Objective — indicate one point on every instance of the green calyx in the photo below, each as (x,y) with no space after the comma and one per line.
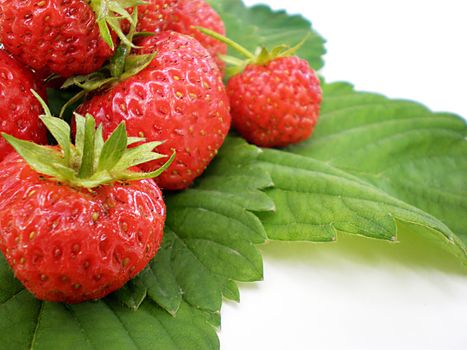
(262,55)
(109,14)
(123,64)
(90,162)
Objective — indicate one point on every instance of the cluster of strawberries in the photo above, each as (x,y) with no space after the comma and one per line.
(78,220)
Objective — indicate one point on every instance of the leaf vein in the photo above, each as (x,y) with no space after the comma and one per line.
(81,328)
(39,316)
(122,323)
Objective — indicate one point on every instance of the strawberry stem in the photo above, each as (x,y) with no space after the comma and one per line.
(118,61)
(71,101)
(262,55)
(239,48)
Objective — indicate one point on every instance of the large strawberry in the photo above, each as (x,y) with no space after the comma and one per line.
(179,97)
(59,36)
(19,109)
(275,96)
(75,222)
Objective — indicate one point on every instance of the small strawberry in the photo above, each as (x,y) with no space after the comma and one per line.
(19,109)
(75,222)
(275,97)
(179,97)
(65,37)
(189,13)
(277,103)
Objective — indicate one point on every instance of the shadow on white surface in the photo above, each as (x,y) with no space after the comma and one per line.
(357,293)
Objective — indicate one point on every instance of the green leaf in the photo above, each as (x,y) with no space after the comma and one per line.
(26,323)
(9,286)
(231,291)
(235,176)
(400,146)
(260,26)
(211,233)
(160,280)
(132,294)
(371,164)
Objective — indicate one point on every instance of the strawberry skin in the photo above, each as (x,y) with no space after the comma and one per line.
(189,13)
(179,98)
(19,109)
(276,104)
(153,16)
(70,245)
(54,36)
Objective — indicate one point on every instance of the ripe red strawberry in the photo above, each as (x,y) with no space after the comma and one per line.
(19,109)
(189,13)
(179,98)
(275,104)
(275,97)
(56,36)
(78,234)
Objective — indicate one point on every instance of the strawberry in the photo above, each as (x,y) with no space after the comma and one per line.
(179,97)
(275,97)
(75,223)
(189,13)
(19,110)
(59,36)
(277,103)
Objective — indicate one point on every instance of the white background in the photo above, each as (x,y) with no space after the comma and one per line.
(357,293)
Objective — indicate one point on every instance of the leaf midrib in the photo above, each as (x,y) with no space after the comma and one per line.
(121,323)
(82,330)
